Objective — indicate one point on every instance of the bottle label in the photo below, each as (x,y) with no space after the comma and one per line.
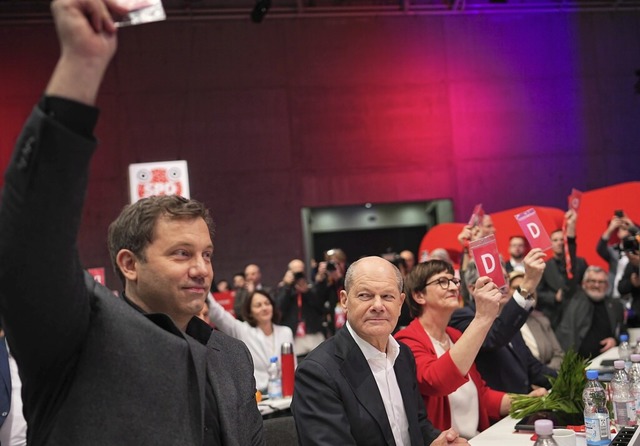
(597,430)
(625,412)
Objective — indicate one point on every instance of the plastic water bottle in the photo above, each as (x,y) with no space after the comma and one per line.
(274,388)
(624,406)
(596,415)
(544,431)
(624,349)
(634,379)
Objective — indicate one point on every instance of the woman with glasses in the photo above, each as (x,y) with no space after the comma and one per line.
(453,390)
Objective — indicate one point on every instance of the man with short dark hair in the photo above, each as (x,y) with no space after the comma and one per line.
(359,387)
(139,369)
(517,251)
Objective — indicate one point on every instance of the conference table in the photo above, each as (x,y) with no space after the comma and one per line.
(503,432)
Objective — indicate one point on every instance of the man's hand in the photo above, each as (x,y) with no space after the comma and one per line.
(534,265)
(487,298)
(539,391)
(448,437)
(87,36)
(606,344)
(571,217)
(614,224)
(464,237)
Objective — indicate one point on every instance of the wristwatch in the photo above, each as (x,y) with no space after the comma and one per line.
(525,293)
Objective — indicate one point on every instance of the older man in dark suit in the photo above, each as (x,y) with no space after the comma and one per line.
(359,387)
(139,369)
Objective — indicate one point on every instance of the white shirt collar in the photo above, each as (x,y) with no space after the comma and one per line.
(370,352)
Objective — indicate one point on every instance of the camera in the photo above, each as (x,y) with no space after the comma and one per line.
(630,243)
(331,266)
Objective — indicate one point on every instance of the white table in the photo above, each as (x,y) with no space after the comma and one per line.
(502,433)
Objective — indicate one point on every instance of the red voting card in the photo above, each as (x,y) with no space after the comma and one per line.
(575,199)
(487,258)
(476,216)
(533,229)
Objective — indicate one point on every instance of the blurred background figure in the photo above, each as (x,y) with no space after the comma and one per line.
(537,332)
(259,330)
(518,248)
(13,426)
(329,281)
(252,282)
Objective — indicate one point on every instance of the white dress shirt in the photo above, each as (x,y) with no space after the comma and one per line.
(14,429)
(381,365)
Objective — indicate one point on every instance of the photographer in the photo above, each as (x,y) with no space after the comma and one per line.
(329,281)
(302,311)
(630,281)
(610,248)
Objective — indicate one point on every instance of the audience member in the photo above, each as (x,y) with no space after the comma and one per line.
(517,251)
(237,282)
(13,426)
(537,332)
(630,286)
(453,391)
(139,369)
(469,234)
(440,254)
(252,282)
(359,387)
(409,260)
(203,314)
(259,331)
(592,321)
(504,361)
(302,312)
(611,248)
(557,284)
(222,286)
(329,281)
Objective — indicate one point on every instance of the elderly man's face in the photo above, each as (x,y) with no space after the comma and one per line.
(595,285)
(374,301)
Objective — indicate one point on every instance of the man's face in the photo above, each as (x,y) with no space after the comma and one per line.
(595,285)
(374,300)
(557,243)
(516,248)
(409,259)
(238,281)
(486,227)
(177,273)
(252,274)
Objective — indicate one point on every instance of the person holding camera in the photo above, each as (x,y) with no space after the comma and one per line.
(301,310)
(630,281)
(610,248)
(329,281)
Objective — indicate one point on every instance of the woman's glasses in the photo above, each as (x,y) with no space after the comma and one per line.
(444,282)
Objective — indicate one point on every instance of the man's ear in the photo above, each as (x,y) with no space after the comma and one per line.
(343,300)
(127,263)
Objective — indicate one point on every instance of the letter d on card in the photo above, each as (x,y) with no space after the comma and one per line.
(533,229)
(487,258)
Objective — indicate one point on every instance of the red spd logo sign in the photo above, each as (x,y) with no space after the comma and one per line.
(162,178)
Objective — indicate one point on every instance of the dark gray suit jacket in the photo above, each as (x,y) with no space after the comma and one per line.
(336,400)
(95,371)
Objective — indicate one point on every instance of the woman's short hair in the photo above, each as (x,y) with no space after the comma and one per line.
(417,279)
(246,308)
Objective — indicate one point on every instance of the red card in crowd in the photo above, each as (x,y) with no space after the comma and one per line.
(575,199)
(533,229)
(487,258)
(476,215)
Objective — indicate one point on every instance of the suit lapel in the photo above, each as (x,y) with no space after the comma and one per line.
(5,373)
(358,375)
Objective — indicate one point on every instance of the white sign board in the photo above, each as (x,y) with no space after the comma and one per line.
(159,178)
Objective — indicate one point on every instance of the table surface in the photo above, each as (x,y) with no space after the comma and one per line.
(503,431)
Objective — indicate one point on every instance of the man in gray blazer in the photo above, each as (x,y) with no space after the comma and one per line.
(359,387)
(96,369)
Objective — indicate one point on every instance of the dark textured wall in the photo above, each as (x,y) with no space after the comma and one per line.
(505,109)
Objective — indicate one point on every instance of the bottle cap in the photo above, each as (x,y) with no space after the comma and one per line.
(543,427)
(275,359)
(593,374)
(635,357)
(624,337)
(287,348)
(618,364)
